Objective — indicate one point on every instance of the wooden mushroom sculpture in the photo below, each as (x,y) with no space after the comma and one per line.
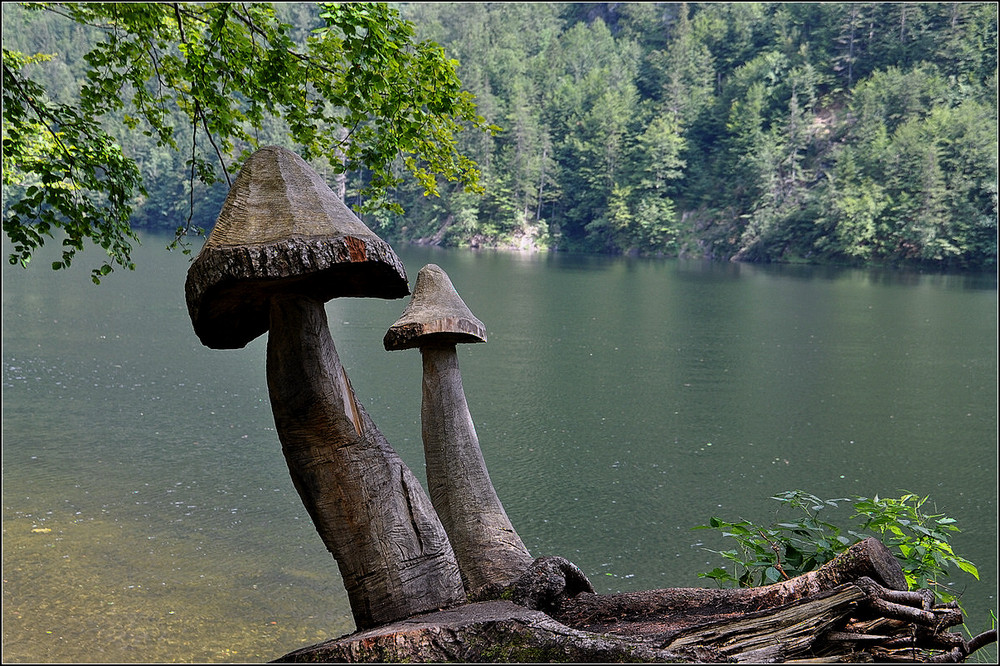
(489,551)
(282,246)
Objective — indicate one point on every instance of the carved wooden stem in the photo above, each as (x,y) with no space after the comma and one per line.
(369,509)
(488,549)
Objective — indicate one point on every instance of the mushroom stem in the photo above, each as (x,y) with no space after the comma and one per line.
(488,549)
(368,507)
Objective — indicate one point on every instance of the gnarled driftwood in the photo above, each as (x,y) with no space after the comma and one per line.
(837,613)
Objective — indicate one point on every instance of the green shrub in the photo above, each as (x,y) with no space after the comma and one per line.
(768,554)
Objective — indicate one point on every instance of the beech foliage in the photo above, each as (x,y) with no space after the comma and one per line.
(146,106)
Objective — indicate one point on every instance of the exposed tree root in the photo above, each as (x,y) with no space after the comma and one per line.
(850,610)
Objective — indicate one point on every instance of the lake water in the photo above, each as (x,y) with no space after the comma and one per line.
(148,514)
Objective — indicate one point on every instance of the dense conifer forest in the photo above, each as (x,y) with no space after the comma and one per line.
(792,132)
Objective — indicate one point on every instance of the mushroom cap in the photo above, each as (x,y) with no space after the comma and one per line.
(282,230)
(435,315)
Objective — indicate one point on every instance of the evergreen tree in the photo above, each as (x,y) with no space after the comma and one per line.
(760,131)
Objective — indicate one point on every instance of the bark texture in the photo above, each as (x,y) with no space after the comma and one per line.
(229,289)
(436,314)
(835,614)
(674,609)
(490,552)
(488,631)
(282,230)
(369,509)
(488,549)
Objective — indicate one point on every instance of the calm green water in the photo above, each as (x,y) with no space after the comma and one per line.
(148,514)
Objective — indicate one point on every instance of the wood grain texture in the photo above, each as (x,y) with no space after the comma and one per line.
(366,504)
(282,230)
(488,549)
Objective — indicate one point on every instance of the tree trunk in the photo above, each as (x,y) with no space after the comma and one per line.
(837,613)
(369,509)
(489,550)
(340,179)
(491,632)
(664,611)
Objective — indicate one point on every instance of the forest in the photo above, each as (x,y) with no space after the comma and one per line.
(856,133)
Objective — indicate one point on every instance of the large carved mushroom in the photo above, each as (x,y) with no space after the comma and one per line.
(283,245)
(489,550)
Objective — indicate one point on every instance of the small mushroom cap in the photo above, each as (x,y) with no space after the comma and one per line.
(435,315)
(282,230)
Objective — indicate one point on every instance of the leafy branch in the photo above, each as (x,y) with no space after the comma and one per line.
(73,176)
(805,541)
(227,67)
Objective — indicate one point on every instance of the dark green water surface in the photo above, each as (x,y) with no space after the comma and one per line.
(148,514)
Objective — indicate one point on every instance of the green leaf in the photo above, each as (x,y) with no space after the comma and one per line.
(967,567)
(225,67)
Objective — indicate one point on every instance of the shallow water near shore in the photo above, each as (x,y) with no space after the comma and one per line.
(149,517)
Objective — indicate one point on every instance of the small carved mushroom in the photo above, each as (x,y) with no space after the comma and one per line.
(284,245)
(488,549)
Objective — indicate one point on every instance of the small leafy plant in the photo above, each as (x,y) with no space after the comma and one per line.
(920,539)
(782,550)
